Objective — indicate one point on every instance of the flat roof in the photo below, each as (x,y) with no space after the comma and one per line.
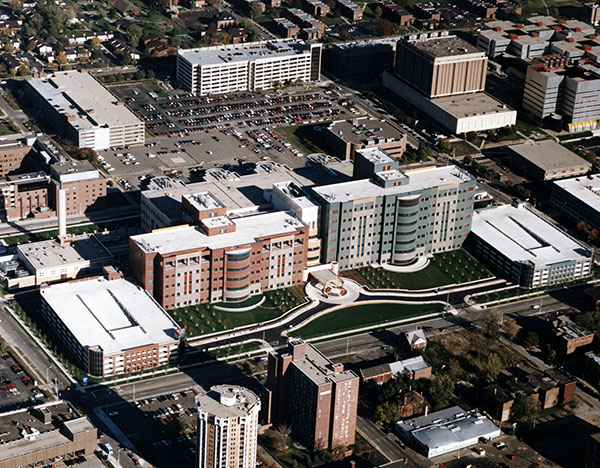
(388,41)
(202,201)
(227,401)
(448,427)
(247,51)
(585,188)
(318,368)
(51,253)
(80,95)
(248,230)
(365,130)
(116,315)
(447,46)
(419,179)
(523,235)
(549,155)
(471,105)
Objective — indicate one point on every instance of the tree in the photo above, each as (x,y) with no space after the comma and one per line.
(61,58)
(468,160)
(440,392)
(531,340)
(491,326)
(279,437)
(383,27)
(377,12)
(15,6)
(526,408)
(492,367)
(424,151)
(95,42)
(445,145)
(175,428)
(134,34)
(387,412)
(511,328)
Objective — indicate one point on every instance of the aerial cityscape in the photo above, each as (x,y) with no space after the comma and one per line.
(299,233)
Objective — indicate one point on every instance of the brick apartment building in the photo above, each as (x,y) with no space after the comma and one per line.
(221,258)
(567,337)
(316,397)
(11,157)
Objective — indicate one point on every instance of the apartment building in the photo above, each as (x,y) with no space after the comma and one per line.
(83,110)
(110,325)
(83,184)
(227,427)
(556,85)
(25,195)
(351,10)
(221,259)
(315,7)
(394,216)
(248,67)
(315,397)
(520,244)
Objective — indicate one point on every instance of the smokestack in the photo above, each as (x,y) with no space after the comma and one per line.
(62,211)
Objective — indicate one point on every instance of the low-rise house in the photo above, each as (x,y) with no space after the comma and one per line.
(415,339)
(414,368)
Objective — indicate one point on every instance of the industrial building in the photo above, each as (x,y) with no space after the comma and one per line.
(345,137)
(363,61)
(560,92)
(578,198)
(444,77)
(524,247)
(315,397)
(44,434)
(222,258)
(251,66)
(446,431)
(227,427)
(394,216)
(546,160)
(83,110)
(110,325)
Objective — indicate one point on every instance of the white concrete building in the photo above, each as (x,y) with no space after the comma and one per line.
(248,66)
(80,108)
(111,326)
(227,427)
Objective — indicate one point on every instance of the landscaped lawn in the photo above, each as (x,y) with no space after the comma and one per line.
(444,268)
(153,86)
(8,128)
(303,137)
(463,148)
(358,316)
(204,318)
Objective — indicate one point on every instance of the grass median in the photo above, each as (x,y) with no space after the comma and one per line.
(363,315)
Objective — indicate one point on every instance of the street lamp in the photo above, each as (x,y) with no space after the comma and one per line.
(47,378)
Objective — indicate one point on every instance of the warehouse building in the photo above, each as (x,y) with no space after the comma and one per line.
(578,198)
(444,77)
(446,431)
(546,160)
(527,249)
(251,66)
(393,216)
(110,325)
(83,110)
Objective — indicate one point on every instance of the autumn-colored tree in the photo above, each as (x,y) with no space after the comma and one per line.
(384,27)
(511,328)
(95,42)
(61,58)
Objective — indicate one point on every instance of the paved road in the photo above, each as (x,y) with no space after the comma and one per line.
(388,447)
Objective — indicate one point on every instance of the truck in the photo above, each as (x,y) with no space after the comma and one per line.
(108,448)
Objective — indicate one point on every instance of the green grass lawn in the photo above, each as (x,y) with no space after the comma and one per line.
(445,268)
(303,137)
(204,318)
(358,316)
(153,86)
(8,128)
(463,148)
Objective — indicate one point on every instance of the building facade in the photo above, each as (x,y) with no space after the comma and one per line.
(578,198)
(11,157)
(394,217)
(252,66)
(83,110)
(222,259)
(227,427)
(110,325)
(318,399)
(522,246)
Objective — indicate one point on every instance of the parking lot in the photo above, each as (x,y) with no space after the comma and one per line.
(154,424)
(17,389)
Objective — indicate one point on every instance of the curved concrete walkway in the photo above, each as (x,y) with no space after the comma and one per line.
(353,293)
(419,265)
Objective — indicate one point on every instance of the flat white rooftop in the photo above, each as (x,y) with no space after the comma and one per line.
(419,179)
(203,201)
(116,315)
(549,155)
(585,188)
(471,105)
(245,52)
(227,401)
(376,155)
(248,230)
(79,95)
(523,235)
